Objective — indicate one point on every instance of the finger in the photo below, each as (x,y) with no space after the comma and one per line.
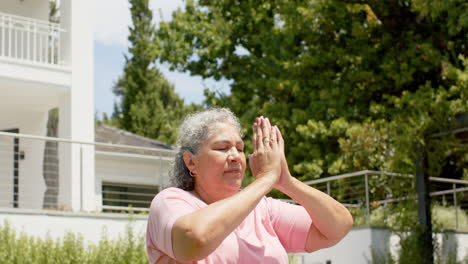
(272,133)
(279,138)
(273,137)
(265,132)
(259,132)
(268,124)
(254,139)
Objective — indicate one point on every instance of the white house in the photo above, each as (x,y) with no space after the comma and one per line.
(130,176)
(43,66)
(46,65)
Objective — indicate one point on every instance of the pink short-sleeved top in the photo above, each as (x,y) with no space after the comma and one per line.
(273,229)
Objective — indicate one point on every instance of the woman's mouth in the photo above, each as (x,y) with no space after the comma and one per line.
(233,171)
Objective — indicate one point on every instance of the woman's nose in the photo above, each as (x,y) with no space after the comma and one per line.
(233,155)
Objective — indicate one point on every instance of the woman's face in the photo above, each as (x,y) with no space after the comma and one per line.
(219,165)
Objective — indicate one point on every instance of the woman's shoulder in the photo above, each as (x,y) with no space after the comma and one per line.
(172,192)
(173,195)
(274,205)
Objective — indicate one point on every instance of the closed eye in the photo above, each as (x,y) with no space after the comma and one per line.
(226,146)
(222,149)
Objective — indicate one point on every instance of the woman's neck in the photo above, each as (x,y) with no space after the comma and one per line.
(210,197)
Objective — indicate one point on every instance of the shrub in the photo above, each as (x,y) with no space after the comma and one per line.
(15,248)
(443,217)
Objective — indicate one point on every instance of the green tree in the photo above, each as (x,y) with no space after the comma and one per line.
(147,103)
(54,14)
(353,84)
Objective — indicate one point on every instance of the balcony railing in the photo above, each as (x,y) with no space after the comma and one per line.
(30,40)
(370,194)
(32,169)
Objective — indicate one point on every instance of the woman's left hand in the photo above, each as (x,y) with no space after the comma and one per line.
(331,221)
(265,161)
(285,175)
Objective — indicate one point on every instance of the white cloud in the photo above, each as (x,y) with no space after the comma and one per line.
(113,18)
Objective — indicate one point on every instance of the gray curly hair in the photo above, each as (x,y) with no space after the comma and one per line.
(193,132)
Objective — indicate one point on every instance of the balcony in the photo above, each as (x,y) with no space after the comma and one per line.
(33,72)
(30,40)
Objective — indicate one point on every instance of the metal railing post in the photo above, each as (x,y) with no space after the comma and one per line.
(34,49)
(59,51)
(28,41)
(10,41)
(81,177)
(161,179)
(3,35)
(455,203)
(47,47)
(15,45)
(366,179)
(328,188)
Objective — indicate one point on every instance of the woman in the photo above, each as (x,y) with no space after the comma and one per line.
(209,219)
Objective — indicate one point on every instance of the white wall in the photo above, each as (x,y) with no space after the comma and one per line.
(462,245)
(77,181)
(354,248)
(71,90)
(358,245)
(23,81)
(38,9)
(31,181)
(6,171)
(56,224)
(131,170)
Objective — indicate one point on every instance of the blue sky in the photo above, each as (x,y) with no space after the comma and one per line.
(110,44)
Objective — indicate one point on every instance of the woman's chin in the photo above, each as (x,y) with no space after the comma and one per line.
(234,184)
(233,178)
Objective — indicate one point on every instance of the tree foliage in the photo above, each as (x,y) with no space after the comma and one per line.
(353,84)
(148,104)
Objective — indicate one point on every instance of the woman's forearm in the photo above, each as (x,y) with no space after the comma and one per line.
(196,235)
(331,221)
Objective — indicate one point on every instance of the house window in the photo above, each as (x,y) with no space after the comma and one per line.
(116,195)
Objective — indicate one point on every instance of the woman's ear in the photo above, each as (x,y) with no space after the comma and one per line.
(190,161)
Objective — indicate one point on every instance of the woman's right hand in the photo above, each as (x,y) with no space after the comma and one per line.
(266,158)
